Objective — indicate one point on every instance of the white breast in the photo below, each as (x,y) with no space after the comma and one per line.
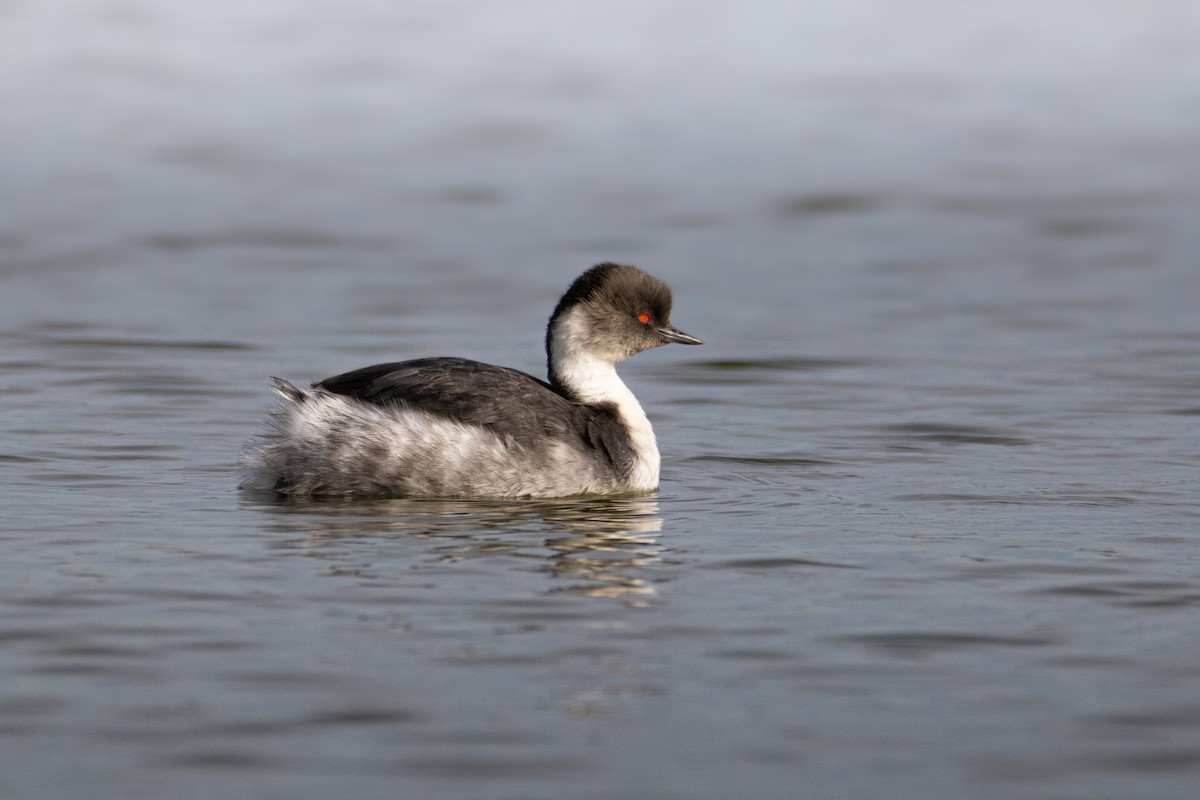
(594,380)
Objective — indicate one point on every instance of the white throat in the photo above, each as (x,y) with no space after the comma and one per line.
(594,380)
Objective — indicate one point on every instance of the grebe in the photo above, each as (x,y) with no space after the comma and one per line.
(450,427)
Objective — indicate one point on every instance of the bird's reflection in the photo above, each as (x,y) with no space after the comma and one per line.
(593,546)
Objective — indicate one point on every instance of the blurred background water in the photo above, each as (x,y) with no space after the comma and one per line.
(928,522)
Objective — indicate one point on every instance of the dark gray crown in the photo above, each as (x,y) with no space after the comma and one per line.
(618,287)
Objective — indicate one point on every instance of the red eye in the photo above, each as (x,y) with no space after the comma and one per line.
(644,317)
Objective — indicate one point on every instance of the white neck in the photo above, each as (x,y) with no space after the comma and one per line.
(593,380)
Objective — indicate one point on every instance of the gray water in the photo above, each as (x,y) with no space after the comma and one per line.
(928,524)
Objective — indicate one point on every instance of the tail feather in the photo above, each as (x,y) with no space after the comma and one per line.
(286,390)
(259,457)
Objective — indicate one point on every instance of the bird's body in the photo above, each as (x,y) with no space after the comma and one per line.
(450,427)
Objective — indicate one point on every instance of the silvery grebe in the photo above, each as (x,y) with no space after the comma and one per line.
(450,427)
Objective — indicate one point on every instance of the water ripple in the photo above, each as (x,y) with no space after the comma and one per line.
(780,562)
(921,643)
(1132,594)
(941,433)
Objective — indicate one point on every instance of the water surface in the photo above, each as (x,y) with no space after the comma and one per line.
(928,521)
